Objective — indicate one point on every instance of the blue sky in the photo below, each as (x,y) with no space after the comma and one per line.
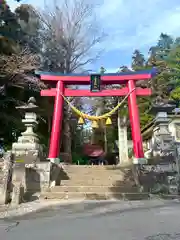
(130,24)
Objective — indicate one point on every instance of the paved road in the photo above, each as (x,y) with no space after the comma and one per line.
(100,220)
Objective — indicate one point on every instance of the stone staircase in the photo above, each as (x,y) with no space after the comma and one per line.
(95,182)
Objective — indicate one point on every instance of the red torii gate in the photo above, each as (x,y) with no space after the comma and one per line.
(128,78)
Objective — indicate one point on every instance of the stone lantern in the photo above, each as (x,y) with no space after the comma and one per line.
(28,142)
(162,143)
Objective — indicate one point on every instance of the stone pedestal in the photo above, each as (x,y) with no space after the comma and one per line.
(44,170)
(6,177)
(29,179)
(18,181)
(19,171)
(38,177)
(17,194)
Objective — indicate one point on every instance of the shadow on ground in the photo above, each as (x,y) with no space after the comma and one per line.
(62,176)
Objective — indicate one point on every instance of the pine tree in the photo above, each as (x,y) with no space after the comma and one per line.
(173,62)
(158,55)
(123,69)
(138,60)
(164,46)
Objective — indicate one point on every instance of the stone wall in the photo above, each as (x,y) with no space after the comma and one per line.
(19,182)
(37,176)
(6,178)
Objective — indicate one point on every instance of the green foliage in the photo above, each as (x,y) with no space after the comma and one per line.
(23,29)
(130,153)
(173,61)
(165,56)
(175,95)
(145,118)
(138,60)
(16,63)
(123,69)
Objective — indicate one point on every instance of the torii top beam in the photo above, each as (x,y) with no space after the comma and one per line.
(109,78)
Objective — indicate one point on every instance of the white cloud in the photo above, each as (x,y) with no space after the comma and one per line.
(138,23)
(13,4)
(132,23)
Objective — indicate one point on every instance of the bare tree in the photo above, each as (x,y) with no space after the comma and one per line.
(71,39)
(71,33)
(14,69)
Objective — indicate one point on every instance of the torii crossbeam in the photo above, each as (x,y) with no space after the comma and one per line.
(127,78)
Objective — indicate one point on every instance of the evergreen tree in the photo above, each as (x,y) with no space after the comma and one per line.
(158,58)
(164,46)
(162,57)
(123,69)
(138,60)
(173,62)
(16,62)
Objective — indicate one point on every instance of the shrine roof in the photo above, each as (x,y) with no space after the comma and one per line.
(107,78)
(152,71)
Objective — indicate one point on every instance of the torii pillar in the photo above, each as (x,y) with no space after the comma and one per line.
(56,123)
(135,125)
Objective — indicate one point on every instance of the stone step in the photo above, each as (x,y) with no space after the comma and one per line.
(74,175)
(96,183)
(91,183)
(169,196)
(91,169)
(93,175)
(95,196)
(97,189)
(98,167)
(93,179)
(90,174)
(97,173)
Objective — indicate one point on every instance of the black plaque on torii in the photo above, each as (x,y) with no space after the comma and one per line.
(95,83)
